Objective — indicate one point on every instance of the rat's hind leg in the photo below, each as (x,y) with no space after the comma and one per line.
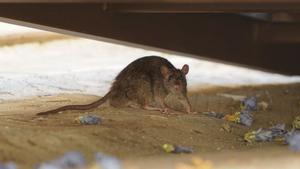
(146,106)
(142,105)
(159,95)
(163,106)
(144,99)
(134,105)
(141,93)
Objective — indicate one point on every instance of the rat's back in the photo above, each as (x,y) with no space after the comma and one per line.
(148,66)
(137,79)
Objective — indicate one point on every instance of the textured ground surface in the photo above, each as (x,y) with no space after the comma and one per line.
(137,134)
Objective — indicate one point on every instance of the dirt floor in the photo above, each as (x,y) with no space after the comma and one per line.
(136,135)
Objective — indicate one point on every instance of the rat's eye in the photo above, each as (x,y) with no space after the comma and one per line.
(170,78)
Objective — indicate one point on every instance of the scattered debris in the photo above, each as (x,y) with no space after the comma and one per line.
(217,115)
(71,160)
(246,118)
(263,105)
(296,123)
(249,103)
(169,148)
(232,96)
(233,117)
(226,127)
(75,160)
(243,117)
(276,133)
(107,162)
(293,140)
(250,137)
(88,119)
(9,165)
(273,133)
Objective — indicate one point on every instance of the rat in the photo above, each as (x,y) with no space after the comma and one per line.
(142,81)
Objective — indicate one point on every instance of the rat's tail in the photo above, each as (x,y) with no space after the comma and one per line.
(78,107)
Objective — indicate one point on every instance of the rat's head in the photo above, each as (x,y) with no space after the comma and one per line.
(174,80)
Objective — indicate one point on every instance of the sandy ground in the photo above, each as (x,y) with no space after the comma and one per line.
(136,136)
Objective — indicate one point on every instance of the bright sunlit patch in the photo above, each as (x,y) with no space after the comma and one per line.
(89,67)
(9,29)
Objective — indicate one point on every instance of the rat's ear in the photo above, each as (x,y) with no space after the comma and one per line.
(185,69)
(165,71)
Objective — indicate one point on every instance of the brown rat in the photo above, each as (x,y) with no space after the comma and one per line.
(143,80)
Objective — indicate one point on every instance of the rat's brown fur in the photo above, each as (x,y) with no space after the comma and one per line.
(143,80)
